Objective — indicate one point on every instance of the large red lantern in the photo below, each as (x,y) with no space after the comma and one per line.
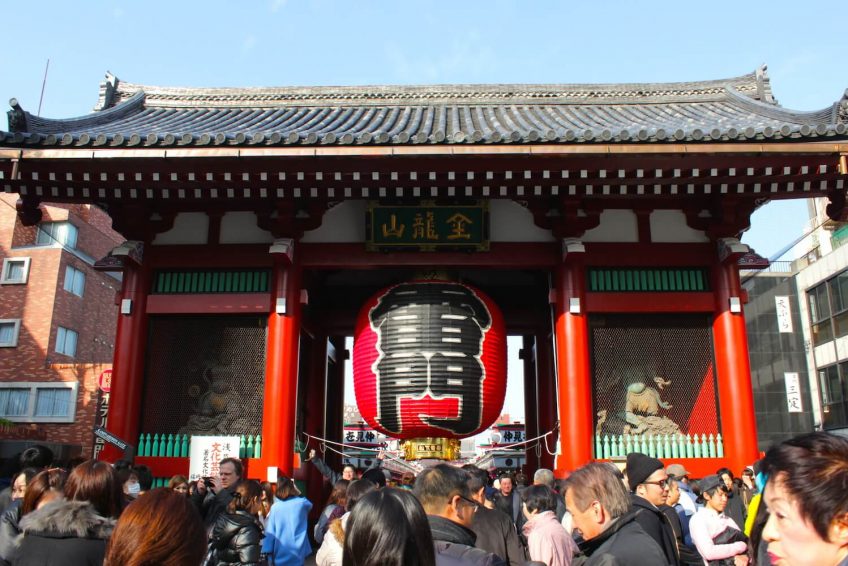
(429,360)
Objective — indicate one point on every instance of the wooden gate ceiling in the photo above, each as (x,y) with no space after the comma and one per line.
(563,150)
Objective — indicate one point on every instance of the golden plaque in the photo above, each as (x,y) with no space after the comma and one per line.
(434,448)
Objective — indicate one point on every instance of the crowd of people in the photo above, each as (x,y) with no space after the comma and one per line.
(790,508)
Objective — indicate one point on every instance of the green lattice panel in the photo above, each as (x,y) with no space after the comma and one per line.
(219,281)
(656,280)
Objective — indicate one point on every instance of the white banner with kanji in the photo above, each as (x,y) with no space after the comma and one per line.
(207,452)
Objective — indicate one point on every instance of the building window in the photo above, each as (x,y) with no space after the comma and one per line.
(66,341)
(829,309)
(832,383)
(9,330)
(15,271)
(63,233)
(38,401)
(74,281)
(14,402)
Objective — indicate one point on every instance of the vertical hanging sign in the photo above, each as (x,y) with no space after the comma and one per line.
(784,314)
(793,392)
(104,388)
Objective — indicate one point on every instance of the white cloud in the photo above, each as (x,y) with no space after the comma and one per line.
(277,5)
(118,13)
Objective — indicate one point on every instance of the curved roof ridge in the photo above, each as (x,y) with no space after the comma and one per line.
(132,105)
(753,85)
(777,112)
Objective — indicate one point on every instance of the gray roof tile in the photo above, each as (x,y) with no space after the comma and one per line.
(736,109)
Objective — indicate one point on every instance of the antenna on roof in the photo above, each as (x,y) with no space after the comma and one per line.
(43,85)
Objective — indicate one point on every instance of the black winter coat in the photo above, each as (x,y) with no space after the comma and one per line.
(454,545)
(9,532)
(237,539)
(655,523)
(212,505)
(64,533)
(496,534)
(623,543)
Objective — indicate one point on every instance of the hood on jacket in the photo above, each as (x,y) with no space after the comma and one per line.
(66,519)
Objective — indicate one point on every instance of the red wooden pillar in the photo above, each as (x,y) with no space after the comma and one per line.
(281,363)
(736,398)
(531,404)
(572,355)
(128,363)
(546,392)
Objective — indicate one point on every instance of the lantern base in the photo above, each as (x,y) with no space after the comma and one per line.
(431,448)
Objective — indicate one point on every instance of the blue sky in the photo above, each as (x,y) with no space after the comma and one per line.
(322,42)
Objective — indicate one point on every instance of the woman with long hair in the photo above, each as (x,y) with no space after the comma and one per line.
(161,527)
(20,482)
(286,542)
(388,527)
(44,487)
(74,530)
(179,484)
(807,501)
(266,501)
(330,553)
(717,537)
(237,535)
(334,509)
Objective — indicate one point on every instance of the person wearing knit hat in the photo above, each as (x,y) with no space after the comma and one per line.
(648,483)
(641,467)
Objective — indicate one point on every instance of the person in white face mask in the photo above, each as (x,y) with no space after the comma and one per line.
(131,487)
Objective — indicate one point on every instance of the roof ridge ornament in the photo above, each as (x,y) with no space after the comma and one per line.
(108,89)
(842,109)
(764,85)
(17,117)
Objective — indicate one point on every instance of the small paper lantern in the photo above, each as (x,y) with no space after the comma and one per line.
(429,360)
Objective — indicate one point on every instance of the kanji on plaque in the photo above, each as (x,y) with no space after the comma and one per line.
(207,452)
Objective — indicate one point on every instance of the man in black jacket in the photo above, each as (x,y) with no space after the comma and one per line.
(444,494)
(600,510)
(218,495)
(648,483)
(495,532)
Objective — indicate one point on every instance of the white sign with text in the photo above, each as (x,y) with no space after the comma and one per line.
(207,452)
(793,392)
(784,314)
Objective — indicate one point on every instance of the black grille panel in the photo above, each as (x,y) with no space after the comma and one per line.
(631,349)
(205,375)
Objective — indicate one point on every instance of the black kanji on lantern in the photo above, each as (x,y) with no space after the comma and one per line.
(430,337)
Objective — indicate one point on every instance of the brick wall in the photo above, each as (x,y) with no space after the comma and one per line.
(43,305)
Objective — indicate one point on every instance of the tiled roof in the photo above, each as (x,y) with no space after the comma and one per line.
(131,115)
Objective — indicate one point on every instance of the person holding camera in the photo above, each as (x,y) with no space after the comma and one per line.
(214,494)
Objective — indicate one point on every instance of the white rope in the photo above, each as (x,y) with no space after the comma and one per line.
(391,454)
(508,446)
(342,444)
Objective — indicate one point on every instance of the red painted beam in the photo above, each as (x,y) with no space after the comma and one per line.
(501,255)
(650,302)
(235,303)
